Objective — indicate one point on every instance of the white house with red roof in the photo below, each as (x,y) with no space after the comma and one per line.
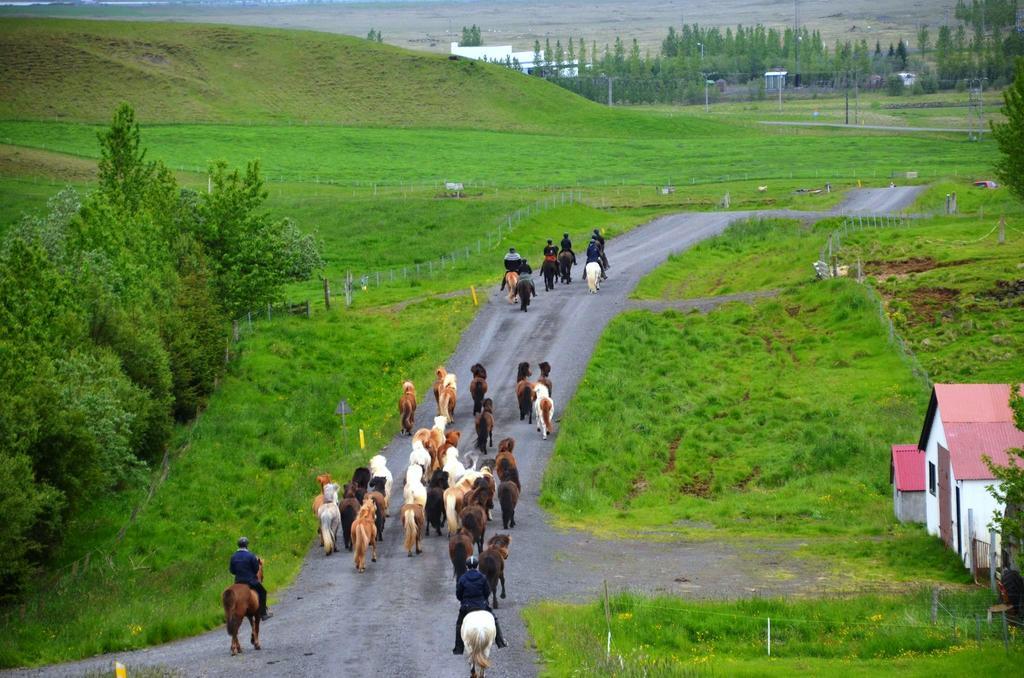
(963,424)
(906,473)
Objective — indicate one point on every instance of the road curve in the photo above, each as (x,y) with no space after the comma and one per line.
(397,619)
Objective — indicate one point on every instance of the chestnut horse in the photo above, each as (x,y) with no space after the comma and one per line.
(241,602)
(492,564)
(446,399)
(407,407)
(512,281)
(473,519)
(460,547)
(478,387)
(413,522)
(485,426)
(441,373)
(508,497)
(364,534)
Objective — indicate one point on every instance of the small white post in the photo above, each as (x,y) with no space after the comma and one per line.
(769,636)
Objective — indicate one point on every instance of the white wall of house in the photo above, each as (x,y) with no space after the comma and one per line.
(973,495)
(936,437)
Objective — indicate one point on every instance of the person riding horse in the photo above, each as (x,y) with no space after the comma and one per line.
(550,252)
(566,245)
(512,263)
(594,255)
(526,273)
(604,260)
(246,566)
(549,269)
(473,591)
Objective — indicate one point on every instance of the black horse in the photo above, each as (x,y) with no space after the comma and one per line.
(549,269)
(565,262)
(524,288)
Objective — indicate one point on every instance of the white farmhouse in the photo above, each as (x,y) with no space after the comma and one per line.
(964,423)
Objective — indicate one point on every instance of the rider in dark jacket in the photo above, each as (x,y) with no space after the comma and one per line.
(246,566)
(566,245)
(550,252)
(604,260)
(472,590)
(526,273)
(593,256)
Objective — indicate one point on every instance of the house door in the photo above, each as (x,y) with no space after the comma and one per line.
(959,532)
(945,512)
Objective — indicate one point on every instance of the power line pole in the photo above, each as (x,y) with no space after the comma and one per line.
(796,42)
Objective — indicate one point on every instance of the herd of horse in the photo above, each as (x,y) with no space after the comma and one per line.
(442,488)
(521,291)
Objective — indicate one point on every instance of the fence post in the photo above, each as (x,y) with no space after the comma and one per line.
(935,604)
(992,559)
(1006,639)
(308,314)
(608,623)
(234,330)
(327,294)
(769,636)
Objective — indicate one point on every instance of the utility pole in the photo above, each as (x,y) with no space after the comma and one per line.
(610,91)
(796,42)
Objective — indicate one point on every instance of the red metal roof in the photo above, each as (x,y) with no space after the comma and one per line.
(973,403)
(908,468)
(968,442)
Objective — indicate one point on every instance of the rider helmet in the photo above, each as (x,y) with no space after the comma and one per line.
(565,235)
(243,543)
(511,249)
(472,562)
(597,231)
(549,241)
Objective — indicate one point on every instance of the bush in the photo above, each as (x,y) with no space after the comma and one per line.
(894,85)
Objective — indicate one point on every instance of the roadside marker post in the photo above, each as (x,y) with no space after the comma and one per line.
(472,290)
(362,440)
(120,671)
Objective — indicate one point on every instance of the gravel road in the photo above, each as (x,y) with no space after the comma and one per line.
(397,619)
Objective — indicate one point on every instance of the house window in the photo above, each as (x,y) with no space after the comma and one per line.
(931,478)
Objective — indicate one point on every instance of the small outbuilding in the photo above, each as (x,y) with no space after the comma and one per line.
(775,80)
(906,474)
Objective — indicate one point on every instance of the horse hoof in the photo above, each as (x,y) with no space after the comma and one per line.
(409,554)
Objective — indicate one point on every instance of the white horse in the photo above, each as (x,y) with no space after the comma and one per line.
(593,270)
(331,493)
(414,492)
(419,456)
(330,521)
(478,633)
(379,469)
(543,409)
(452,466)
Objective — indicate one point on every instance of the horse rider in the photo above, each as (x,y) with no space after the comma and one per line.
(550,252)
(567,247)
(594,257)
(604,259)
(512,262)
(526,273)
(472,590)
(246,566)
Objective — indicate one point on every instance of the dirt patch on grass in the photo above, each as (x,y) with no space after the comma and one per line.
(698,486)
(1007,289)
(927,302)
(749,478)
(16,161)
(672,447)
(904,267)
(638,487)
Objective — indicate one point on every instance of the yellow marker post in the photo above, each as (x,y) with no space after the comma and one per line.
(120,671)
(472,290)
(859,185)
(362,440)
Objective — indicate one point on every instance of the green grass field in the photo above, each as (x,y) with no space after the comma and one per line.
(857,636)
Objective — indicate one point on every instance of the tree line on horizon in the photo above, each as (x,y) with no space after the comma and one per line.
(115,313)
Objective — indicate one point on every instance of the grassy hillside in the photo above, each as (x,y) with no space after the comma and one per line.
(80,70)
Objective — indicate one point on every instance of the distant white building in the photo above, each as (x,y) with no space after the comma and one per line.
(503,54)
(775,80)
(908,79)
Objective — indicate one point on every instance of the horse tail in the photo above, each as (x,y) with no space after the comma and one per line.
(481,433)
(233,621)
(460,558)
(409,517)
(450,513)
(360,540)
(326,533)
(478,646)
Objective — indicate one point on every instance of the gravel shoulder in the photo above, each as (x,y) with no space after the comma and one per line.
(397,619)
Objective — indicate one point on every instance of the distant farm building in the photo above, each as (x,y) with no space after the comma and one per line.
(503,54)
(963,424)
(906,473)
(908,79)
(775,80)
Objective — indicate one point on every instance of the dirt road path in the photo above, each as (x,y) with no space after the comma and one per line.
(397,619)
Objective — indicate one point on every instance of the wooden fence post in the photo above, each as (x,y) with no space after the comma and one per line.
(327,294)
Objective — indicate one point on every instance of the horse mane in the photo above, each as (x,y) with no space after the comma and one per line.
(368,511)
(452,437)
(488,405)
(448,381)
(409,388)
(545,369)
(524,371)
(478,370)
(441,373)
(506,445)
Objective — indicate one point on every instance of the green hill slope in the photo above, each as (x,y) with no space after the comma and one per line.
(80,70)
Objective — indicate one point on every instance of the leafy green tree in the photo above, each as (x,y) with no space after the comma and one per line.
(923,39)
(1009,136)
(1011,488)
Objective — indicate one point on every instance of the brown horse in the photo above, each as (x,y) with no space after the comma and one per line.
(460,547)
(545,377)
(512,281)
(508,497)
(565,262)
(446,398)
(524,396)
(407,407)
(381,511)
(485,426)
(492,564)
(505,464)
(478,387)
(349,509)
(473,519)
(451,439)
(241,602)
(412,522)
(364,534)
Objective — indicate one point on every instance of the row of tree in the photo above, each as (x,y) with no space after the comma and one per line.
(689,56)
(115,310)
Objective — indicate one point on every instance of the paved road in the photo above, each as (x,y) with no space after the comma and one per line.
(397,619)
(884,128)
